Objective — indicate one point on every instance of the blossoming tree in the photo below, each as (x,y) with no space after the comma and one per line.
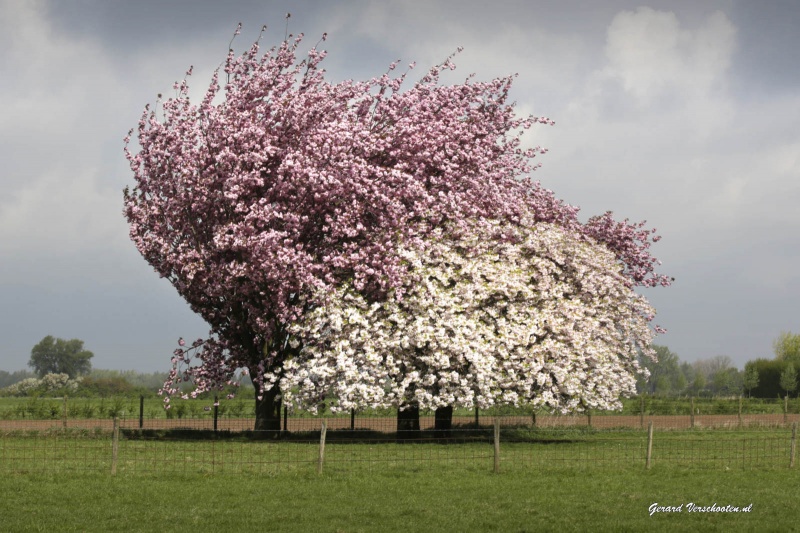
(281,191)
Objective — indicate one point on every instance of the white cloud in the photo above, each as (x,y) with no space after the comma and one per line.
(651,54)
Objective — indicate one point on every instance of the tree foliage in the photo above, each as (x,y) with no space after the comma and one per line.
(281,189)
(667,376)
(60,356)
(727,382)
(788,379)
(787,347)
(750,379)
(769,375)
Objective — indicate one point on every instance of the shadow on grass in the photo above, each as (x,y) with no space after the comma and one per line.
(456,435)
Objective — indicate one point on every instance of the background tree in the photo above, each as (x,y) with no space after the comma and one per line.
(769,377)
(789,379)
(750,378)
(280,188)
(60,356)
(666,373)
(727,382)
(787,348)
(717,375)
(689,373)
(698,385)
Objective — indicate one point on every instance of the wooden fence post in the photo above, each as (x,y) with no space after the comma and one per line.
(477,422)
(649,445)
(66,411)
(496,445)
(641,411)
(793,447)
(785,408)
(589,417)
(114,446)
(285,418)
(352,419)
(691,416)
(322,433)
(141,411)
(740,411)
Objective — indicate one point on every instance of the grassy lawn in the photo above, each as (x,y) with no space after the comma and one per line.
(570,481)
(416,498)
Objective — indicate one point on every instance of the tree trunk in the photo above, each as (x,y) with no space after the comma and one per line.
(268,411)
(443,421)
(408,423)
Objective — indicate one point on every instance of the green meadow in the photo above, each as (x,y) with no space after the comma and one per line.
(413,498)
(548,481)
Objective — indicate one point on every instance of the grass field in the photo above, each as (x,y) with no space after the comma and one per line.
(416,498)
(567,481)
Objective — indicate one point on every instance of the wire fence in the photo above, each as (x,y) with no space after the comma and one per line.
(237,415)
(503,444)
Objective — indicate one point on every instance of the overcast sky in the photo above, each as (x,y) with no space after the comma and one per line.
(683,113)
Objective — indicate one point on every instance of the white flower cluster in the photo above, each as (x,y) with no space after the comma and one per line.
(530,315)
(48,383)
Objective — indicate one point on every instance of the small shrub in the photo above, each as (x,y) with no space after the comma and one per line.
(55,410)
(177,410)
(236,409)
(195,410)
(87,410)
(117,407)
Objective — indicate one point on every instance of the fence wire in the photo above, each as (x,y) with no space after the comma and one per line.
(237,415)
(130,450)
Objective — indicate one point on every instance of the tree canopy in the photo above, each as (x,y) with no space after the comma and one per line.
(787,348)
(788,379)
(60,356)
(281,191)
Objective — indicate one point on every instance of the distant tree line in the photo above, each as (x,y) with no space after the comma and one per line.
(63,367)
(9,378)
(98,384)
(717,376)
